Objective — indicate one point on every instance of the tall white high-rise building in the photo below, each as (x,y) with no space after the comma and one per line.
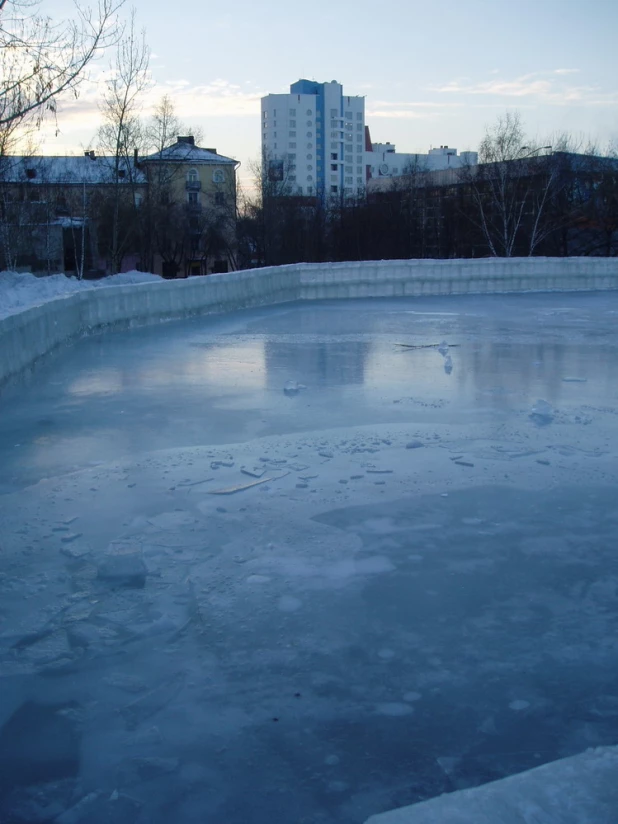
(313,140)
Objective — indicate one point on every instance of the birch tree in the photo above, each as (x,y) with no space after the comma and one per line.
(510,188)
(121,132)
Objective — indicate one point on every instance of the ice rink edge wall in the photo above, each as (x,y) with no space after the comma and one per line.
(32,333)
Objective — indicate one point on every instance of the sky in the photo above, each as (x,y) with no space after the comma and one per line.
(431,73)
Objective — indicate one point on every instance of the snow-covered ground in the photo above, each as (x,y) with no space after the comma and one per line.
(275,567)
(21,290)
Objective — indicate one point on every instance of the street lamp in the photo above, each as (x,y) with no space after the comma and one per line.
(532,151)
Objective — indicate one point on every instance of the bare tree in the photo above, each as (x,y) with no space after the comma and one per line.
(510,188)
(40,59)
(164,126)
(121,133)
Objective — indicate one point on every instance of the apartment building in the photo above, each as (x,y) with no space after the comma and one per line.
(313,141)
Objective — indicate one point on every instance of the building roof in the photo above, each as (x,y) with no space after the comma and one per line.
(86,168)
(185,151)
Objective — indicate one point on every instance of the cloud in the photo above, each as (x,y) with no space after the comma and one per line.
(547,87)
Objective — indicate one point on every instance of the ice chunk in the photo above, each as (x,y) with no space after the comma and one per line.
(443,348)
(292,388)
(541,413)
(448,364)
(124,566)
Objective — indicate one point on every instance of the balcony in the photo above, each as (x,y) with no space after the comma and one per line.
(193,185)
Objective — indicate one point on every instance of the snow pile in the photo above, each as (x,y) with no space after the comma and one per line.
(21,290)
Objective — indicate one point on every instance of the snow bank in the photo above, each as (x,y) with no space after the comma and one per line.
(20,290)
(66,309)
(578,790)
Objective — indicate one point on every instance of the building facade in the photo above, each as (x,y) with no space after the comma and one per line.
(192,198)
(172,212)
(313,141)
(385,161)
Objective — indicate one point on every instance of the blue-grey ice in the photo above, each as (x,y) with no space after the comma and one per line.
(221,604)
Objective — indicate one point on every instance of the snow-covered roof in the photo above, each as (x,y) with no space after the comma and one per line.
(184,151)
(67,170)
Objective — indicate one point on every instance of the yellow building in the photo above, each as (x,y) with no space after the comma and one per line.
(192,200)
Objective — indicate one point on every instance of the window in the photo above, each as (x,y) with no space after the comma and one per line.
(30,174)
(292,178)
(275,133)
(359,170)
(310,123)
(348,170)
(334,189)
(265,115)
(310,145)
(334,134)
(359,180)
(309,134)
(219,199)
(218,176)
(334,124)
(309,177)
(309,190)
(348,180)
(193,198)
(192,176)
(121,173)
(334,156)
(348,115)
(292,155)
(292,134)
(361,190)
(395,171)
(333,167)
(334,145)
(334,113)
(292,112)
(292,145)
(359,127)
(348,137)
(292,124)
(309,167)
(309,112)
(309,156)
(359,115)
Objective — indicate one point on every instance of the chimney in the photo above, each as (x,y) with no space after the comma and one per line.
(135,158)
(188,139)
(90,153)
(214,151)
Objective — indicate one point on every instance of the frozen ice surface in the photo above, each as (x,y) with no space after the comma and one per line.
(373,624)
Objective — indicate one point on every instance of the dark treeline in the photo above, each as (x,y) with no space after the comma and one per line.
(518,201)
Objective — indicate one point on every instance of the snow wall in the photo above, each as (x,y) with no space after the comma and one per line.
(577,790)
(28,335)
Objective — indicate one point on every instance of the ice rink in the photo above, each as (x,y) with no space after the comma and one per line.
(275,567)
